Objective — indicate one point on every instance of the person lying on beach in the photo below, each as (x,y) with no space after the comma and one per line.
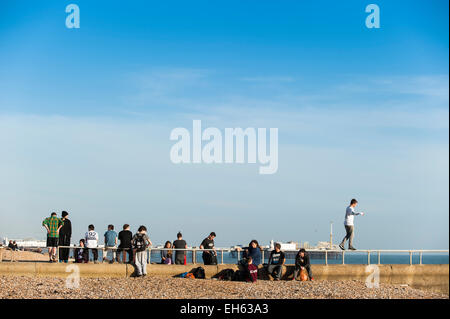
(302,262)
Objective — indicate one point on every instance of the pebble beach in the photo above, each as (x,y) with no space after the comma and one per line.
(19,287)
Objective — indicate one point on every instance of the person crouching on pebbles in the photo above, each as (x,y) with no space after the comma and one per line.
(140,243)
(302,262)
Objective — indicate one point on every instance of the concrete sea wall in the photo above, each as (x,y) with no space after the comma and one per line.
(427,277)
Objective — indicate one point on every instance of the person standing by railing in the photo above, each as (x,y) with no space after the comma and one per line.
(180,255)
(53,225)
(110,244)
(349,226)
(91,237)
(125,248)
(209,256)
(64,237)
(140,244)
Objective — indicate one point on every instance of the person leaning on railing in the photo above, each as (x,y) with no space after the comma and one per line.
(180,255)
(209,256)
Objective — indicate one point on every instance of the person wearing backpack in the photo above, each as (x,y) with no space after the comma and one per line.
(140,243)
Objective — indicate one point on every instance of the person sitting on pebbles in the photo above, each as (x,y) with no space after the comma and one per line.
(302,262)
(276,262)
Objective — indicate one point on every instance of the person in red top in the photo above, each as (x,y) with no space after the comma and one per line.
(252,269)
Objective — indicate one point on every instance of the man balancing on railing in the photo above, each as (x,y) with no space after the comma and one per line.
(348,223)
(209,256)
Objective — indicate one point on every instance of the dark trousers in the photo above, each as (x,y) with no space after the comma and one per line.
(94,253)
(348,236)
(308,269)
(179,259)
(275,271)
(209,258)
(64,240)
(122,252)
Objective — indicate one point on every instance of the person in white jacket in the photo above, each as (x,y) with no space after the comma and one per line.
(349,226)
(91,238)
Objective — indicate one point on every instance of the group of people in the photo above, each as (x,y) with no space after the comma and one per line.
(59,232)
(274,267)
(12,245)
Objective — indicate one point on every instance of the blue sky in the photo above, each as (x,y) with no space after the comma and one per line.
(86,114)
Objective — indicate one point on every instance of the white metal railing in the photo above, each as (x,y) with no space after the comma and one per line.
(325,252)
(220,251)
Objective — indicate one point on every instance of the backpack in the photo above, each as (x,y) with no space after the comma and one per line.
(199,273)
(227,275)
(190,275)
(239,275)
(139,243)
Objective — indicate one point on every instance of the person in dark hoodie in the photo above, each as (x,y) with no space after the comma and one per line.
(81,254)
(64,237)
(302,262)
(254,251)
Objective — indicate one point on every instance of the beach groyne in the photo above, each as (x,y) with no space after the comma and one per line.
(426,277)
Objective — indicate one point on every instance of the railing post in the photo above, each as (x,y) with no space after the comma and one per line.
(420,257)
(410,257)
(149,255)
(379,260)
(368,257)
(326,257)
(221,257)
(343,257)
(194,256)
(262,256)
(238,256)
